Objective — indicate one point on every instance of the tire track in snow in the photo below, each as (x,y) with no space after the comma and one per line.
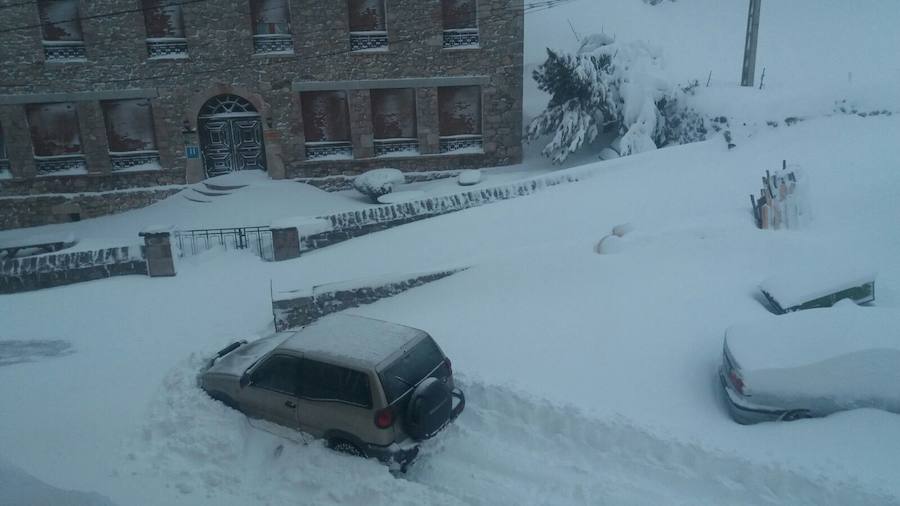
(504,449)
(507,449)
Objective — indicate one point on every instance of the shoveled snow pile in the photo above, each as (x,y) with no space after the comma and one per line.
(18,488)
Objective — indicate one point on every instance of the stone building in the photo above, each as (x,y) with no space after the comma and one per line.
(107,105)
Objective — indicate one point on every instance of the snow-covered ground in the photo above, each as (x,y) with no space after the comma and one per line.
(590,378)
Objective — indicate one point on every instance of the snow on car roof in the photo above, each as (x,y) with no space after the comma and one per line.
(812,336)
(817,279)
(352,337)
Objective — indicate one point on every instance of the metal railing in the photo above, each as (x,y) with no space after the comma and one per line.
(256,239)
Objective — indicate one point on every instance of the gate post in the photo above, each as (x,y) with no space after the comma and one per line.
(285,243)
(158,251)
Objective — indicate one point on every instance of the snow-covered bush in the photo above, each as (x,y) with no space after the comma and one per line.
(611,87)
(378,182)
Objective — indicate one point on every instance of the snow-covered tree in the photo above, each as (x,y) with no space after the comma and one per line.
(607,86)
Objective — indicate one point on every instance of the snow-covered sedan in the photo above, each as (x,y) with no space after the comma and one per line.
(812,363)
(368,387)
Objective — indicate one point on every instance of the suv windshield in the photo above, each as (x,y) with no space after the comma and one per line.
(411,368)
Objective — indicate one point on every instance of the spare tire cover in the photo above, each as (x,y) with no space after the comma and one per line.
(428,410)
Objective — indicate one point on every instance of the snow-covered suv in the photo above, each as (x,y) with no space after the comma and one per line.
(366,386)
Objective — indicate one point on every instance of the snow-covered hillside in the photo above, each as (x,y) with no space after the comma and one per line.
(590,378)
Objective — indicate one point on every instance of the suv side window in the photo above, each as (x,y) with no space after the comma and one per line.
(321,381)
(280,373)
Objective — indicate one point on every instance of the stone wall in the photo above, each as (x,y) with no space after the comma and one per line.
(46,271)
(342,182)
(30,211)
(294,309)
(350,224)
(221,61)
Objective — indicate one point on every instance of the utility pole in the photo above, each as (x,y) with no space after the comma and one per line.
(747,76)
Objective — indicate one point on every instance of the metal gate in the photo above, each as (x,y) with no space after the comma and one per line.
(231,136)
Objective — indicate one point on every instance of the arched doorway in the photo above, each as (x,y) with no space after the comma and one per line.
(231,136)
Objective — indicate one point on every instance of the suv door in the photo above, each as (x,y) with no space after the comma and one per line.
(335,398)
(272,392)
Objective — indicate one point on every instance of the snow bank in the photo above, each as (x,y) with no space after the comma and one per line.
(18,488)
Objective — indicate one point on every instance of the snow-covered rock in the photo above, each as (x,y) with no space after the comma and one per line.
(469,177)
(378,182)
(608,154)
(396,197)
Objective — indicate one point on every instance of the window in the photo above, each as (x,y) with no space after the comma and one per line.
(394,121)
(55,138)
(368,25)
(4,160)
(165,29)
(326,124)
(460,23)
(459,110)
(61,27)
(410,369)
(271,26)
(129,129)
(329,382)
(279,373)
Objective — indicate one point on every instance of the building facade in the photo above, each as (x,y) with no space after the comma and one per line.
(107,105)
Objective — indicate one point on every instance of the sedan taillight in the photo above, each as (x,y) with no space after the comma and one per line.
(736,381)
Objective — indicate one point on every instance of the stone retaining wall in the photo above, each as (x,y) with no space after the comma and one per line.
(17,212)
(350,224)
(296,309)
(344,182)
(46,271)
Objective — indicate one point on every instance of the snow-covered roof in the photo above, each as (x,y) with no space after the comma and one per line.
(817,279)
(354,338)
(812,336)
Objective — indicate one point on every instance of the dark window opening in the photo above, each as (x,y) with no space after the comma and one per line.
(271,26)
(326,124)
(129,125)
(55,138)
(394,113)
(460,110)
(368,25)
(459,14)
(165,29)
(61,29)
(279,373)
(4,160)
(328,382)
(131,134)
(163,19)
(367,16)
(460,23)
(394,122)
(54,129)
(60,20)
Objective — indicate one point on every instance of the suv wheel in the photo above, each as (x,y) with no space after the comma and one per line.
(343,446)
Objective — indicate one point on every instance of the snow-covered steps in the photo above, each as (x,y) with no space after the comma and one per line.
(224,188)
(210,193)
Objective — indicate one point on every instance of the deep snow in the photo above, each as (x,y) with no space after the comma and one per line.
(590,378)
(630,340)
